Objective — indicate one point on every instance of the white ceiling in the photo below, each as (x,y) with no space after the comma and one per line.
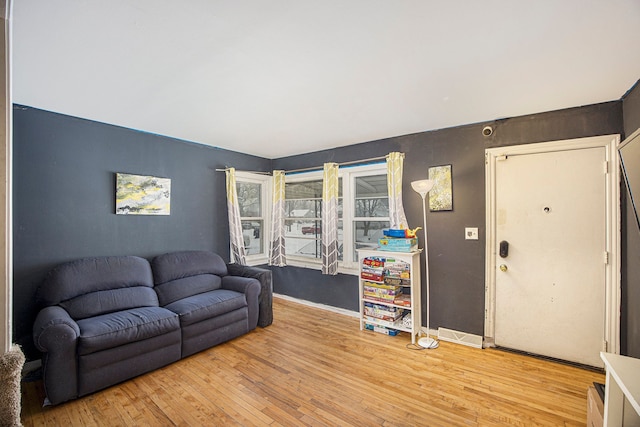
(281,77)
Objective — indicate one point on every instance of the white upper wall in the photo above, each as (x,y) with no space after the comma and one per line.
(281,77)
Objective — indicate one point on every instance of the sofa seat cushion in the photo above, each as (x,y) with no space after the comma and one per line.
(207,305)
(123,327)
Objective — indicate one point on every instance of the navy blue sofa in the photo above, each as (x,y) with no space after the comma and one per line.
(108,319)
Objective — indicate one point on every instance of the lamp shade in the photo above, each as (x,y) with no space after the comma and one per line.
(423,186)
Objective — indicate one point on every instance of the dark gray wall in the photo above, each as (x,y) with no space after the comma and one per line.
(457,270)
(64,201)
(631,109)
(630,307)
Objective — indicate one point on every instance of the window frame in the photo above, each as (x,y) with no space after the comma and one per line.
(348,174)
(266,182)
(301,261)
(374,170)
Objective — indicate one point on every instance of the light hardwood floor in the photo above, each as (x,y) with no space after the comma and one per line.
(314,367)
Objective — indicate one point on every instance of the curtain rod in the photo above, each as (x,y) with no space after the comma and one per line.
(353,162)
(314,168)
(257,172)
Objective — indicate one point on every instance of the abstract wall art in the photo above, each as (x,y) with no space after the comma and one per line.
(142,195)
(441,196)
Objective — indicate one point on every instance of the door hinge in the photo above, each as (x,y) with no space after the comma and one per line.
(606,257)
(606,167)
(605,346)
(502,158)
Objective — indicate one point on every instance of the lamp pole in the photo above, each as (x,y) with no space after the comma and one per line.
(423,187)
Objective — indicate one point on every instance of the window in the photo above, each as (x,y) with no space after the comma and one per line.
(253,194)
(371,211)
(303,217)
(363,210)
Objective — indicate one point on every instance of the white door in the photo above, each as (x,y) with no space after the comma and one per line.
(550,288)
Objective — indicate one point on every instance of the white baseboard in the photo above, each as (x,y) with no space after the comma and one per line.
(432,333)
(320,306)
(459,337)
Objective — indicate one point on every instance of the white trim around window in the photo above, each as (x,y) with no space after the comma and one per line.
(348,265)
(265,182)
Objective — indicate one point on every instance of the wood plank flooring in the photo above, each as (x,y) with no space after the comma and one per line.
(312,367)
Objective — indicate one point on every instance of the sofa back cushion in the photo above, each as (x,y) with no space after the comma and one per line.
(92,286)
(178,289)
(103,302)
(180,275)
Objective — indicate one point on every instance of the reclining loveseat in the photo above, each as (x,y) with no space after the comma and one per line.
(108,319)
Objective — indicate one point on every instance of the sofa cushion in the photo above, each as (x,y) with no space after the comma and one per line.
(175,290)
(102,302)
(178,265)
(123,327)
(208,305)
(84,276)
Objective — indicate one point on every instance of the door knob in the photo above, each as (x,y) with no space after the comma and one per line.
(503,267)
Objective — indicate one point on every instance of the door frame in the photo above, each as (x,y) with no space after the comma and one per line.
(6,219)
(612,193)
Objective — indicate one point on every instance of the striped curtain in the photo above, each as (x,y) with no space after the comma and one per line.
(397,217)
(235,225)
(330,219)
(277,254)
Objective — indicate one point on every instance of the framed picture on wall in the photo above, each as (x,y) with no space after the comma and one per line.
(441,195)
(142,195)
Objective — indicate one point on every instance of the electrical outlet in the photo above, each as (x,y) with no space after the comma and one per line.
(471,233)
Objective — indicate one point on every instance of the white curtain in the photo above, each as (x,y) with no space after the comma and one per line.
(330,219)
(397,217)
(277,254)
(235,225)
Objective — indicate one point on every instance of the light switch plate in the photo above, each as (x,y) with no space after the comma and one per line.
(471,233)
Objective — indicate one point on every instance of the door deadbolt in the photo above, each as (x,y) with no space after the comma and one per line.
(503,267)
(504,249)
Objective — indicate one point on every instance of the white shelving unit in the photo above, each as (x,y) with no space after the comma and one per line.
(622,390)
(411,284)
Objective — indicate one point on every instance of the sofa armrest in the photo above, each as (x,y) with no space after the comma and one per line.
(56,334)
(250,287)
(264,276)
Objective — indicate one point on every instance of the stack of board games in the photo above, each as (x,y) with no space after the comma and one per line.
(403,300)
(381,329)
(381,291)
(373,269)
(385,278)
(396,271)
(382,312)
(398,241)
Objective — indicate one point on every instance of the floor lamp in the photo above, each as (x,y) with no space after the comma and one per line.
(423,187)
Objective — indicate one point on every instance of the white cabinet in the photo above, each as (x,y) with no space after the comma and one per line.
(622,390)
(389,287)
